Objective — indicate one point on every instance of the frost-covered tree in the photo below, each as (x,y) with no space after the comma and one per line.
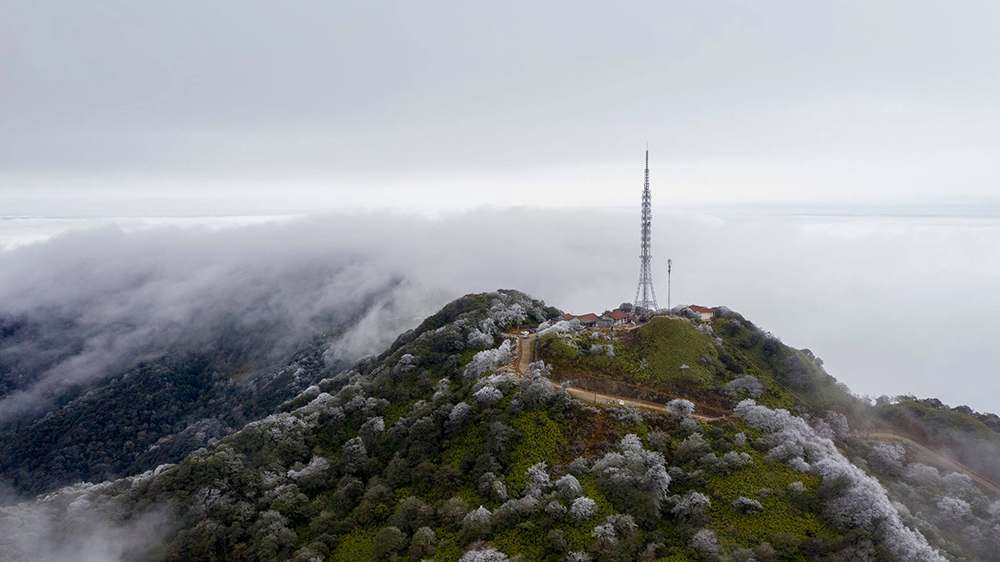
(555,509)
(954,510)
(487,360)
(355,453)
(514,511)
(477,524)
(628,415)
(568,487)
(747,505)
(493,487)
(424,543)
(922,475)
(583,508)
(457,417)
(488,395)
(479,339)
(887,459)
(634,479)
(507,315)
(857,500)
(692,508)
(694,446)
(680,408)
(744,385)
(536,390)
(704,542)
(487,554)
(538,481)
(372,430)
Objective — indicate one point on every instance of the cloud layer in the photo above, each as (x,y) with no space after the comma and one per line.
(891,303)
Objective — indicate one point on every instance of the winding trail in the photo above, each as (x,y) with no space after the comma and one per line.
(526,354)
(935,457)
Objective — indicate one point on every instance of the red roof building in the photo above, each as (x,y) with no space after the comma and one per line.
(706,314)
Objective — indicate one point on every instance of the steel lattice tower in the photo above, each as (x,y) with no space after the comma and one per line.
(645,288)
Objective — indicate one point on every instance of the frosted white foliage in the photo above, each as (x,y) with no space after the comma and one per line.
(797,487)
(863,503)
(689,426)
(960,484)
(838,422)
(921,474)
(887,458)
(628,415)
(405,364)
(488,360)
(317,465)
(458,416)
(747,505)
(488,395)
(693,505)
(744,385)
(632,466)
(578,556)
(488,554)
(604,531)
(536,390)
(505,315)
(740,440)
(504,382)
(355,452)
(598,349)
(680,408)
(490,484)
(954,509)
(478,338)
(568,487)
(734,460)
(373,429)
(555,509)
(441,389)
(514,511)
(704,542)
(583,508)
(538,481)
(562,327)
(477,521)
(693,446)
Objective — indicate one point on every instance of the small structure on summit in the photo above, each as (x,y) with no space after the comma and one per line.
(705,314)
(611,319)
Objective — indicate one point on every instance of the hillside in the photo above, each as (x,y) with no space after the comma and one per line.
(441,448)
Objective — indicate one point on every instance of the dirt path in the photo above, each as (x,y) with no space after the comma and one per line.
(526,352)
(935,457)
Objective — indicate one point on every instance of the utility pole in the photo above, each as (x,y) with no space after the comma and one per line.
(670,265)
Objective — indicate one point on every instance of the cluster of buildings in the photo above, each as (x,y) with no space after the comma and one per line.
(618,317)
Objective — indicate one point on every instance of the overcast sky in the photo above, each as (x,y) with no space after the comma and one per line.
(250,107)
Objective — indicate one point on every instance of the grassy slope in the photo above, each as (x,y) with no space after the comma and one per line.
(665,343)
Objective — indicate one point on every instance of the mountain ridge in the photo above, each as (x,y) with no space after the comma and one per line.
(388,460)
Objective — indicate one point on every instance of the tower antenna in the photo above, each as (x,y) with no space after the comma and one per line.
(645,288)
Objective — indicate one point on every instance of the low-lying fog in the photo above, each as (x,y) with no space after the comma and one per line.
(895,302)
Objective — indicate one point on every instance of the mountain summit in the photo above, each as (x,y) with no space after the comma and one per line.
(496,431)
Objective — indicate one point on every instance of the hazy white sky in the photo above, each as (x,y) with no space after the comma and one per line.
(251,107)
